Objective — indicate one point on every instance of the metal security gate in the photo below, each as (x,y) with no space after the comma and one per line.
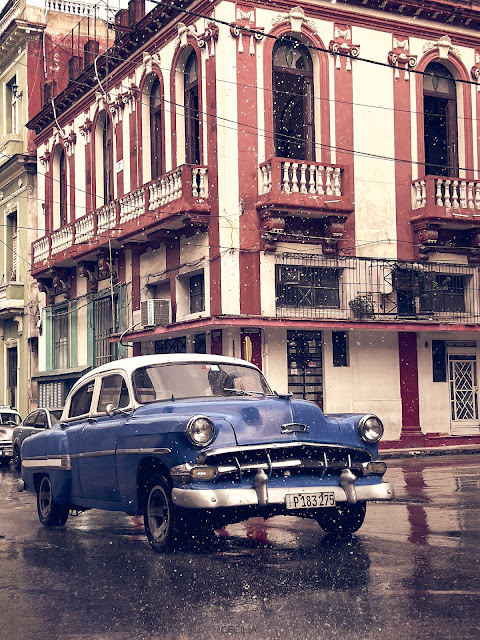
(463,393)
(305,368)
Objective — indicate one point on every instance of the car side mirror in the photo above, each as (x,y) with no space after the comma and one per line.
(110,409)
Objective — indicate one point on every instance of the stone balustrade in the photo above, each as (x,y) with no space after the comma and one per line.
(302,177)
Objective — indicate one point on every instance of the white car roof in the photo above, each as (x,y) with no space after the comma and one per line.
(128,365)
(9,410)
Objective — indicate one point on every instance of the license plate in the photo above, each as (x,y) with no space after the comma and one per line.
(310,500)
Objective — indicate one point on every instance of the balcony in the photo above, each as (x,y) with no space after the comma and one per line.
(298,187)
(445,216)
(375,290)
(174,202)
(11,299)
(300,198)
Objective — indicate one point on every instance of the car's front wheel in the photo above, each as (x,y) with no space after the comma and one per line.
(50,513)
(168,526)
(345,519)
(159,514)
(17,458)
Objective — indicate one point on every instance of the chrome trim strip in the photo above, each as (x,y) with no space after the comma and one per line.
(157,450)
(48,462)
(93,454)
(112,452)
(276,445)
(213,499)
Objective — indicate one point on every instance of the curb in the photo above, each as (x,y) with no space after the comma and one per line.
(428,451)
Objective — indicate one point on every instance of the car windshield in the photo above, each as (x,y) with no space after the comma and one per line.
(9,418)
(197,379)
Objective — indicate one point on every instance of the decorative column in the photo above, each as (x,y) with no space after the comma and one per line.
(402,62)
(408,364)
(247,108)
(344,52)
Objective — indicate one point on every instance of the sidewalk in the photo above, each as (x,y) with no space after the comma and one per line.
(411,452)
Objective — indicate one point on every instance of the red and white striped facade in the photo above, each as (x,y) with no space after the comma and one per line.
(265,230)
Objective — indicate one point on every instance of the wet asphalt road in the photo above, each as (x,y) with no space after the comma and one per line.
(412,572)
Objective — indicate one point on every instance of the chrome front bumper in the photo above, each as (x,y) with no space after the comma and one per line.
(218,498)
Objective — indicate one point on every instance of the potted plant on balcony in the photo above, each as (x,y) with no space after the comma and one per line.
(362,306)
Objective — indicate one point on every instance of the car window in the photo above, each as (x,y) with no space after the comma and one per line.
(30,419)
(113,391)
(81,400)
(55,416)
(41,421)
(10,418)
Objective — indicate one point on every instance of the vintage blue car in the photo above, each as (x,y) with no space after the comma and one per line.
(194,442)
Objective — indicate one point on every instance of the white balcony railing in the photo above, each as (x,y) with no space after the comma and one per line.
(166,189)
(85,228)
(132,205)
(456,193)
(188,183)
(41,250)
(106,217)
(62,239)
(303,177)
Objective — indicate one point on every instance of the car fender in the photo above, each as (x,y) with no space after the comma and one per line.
(48,453)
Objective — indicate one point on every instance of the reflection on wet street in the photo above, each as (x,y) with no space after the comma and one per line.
(412,571)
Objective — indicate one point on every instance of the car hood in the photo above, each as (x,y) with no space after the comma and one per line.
(259,420)
(6,433)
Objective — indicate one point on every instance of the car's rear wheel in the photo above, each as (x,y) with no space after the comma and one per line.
(17,458)
(168,526)
(50,513)
(345,519)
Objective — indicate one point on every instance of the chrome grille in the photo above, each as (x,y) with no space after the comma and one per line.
(286,456)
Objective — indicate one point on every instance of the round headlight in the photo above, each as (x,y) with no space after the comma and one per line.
(200,431)
(370,428)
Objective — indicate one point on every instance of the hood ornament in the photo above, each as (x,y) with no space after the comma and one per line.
(294,427)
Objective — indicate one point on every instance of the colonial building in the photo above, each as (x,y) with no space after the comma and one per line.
(32,53)
(295,185)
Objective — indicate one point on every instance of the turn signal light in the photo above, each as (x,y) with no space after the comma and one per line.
(203,473)
(377,468)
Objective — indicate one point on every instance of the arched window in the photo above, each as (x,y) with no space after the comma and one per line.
(293,100)
(62,188)
(192,125)
(440,121)
(156,129)
(104,140)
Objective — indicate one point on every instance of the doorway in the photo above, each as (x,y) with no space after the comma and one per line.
(462,378)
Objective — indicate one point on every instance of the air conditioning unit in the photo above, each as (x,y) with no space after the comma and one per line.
(155,312)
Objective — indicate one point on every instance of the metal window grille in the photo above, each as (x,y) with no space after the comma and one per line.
(346,288)
(197,293)
(51,394)
(60,338)
(105,324)
(304,286)
(172,345)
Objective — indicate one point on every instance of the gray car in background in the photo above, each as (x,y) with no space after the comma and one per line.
(36,422)
(8,419)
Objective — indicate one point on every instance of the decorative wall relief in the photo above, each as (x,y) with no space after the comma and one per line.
(342,48)
(401,59)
